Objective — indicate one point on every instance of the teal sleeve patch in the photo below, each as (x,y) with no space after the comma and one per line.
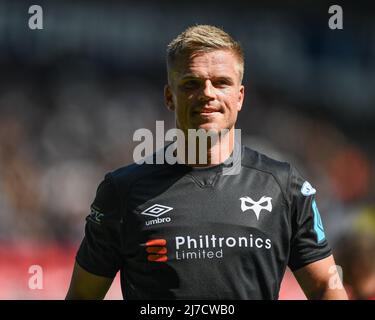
(318,225)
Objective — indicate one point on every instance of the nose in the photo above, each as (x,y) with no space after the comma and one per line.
(208,92)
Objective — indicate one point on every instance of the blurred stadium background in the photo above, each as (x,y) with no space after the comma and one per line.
(72,95)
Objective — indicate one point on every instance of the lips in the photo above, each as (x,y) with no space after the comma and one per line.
(206,111)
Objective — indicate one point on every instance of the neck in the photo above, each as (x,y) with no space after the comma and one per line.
(208,153)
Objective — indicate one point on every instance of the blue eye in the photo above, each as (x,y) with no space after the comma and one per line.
(221,83)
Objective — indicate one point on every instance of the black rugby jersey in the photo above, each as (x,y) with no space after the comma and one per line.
(177,232)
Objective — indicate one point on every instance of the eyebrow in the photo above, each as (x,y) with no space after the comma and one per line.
(190,75)
(194,76)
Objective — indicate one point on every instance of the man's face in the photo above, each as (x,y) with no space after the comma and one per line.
(205,91)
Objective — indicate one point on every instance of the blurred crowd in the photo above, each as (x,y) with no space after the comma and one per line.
(56,144)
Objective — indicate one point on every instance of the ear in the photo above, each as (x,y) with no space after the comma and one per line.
(168,97)
(241,96)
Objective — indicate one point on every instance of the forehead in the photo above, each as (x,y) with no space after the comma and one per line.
(207,64)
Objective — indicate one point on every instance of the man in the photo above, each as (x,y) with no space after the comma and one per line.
(183,231)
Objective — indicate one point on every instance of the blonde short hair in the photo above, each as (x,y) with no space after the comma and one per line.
(203,38)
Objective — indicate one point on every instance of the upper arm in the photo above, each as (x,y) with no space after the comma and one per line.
(99,256)
(321,280)
(85,285)
(310,256)
(308,242)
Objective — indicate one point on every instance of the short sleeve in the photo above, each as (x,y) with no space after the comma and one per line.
(100,250)
(308,242)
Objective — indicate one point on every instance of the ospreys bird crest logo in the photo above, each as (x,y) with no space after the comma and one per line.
(264,203)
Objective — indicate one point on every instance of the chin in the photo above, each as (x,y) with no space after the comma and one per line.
(210,126)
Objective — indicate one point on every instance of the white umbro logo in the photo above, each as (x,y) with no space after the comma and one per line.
(156,210)
(256,206)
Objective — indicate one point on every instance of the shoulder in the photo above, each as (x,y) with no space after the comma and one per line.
(114,188)
(122,178)
(280,170)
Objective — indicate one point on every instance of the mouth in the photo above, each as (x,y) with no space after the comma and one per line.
(206,111)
